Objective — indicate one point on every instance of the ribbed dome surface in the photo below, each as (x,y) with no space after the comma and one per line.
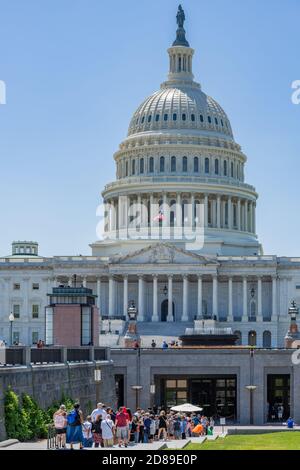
(180,107)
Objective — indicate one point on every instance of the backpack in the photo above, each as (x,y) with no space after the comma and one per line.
(177,426)
(59,422)
(72,417)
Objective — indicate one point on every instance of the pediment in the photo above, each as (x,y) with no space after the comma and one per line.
(163,253)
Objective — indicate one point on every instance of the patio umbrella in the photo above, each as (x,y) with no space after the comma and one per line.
(186,408)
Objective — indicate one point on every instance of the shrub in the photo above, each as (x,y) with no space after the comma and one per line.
(16,418)
(36,417)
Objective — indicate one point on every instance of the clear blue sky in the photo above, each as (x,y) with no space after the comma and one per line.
(76,70)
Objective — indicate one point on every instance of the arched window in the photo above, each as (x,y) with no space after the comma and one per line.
(196,164)
(143,119)
(165,117)
(173,164)
(216,121)
(207,165)
(216,166)
(239,337)
(222,123)
(126,168)
(157,118)
(193,117)
(174,117)
(184,164)
(267,339)
(172,212)
(141,165)
(231,169)
(252,338)
(149,118)
(225,168)
(209,119)
(162,164)
(234,215)
(133,167)
(184,117)
(151,165)
(201,118)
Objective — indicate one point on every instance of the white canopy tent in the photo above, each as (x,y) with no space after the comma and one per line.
(186,408)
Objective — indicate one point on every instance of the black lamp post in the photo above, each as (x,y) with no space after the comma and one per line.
(11,320)
(293,311)
(132,311)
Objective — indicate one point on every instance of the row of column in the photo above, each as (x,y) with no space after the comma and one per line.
(185,317)
(218,212)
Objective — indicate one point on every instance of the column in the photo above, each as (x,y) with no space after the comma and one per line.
(230,309)
(111,296)
(120,212)
(155,310)
(139,210)
(199,297)
(99,294)
(165,221)
(218,211)
(84,281)
(106,217)
(185,299)
(192,211)
(170,299)
(178,211)
(251,217)
(205,210)
(274,298)
(239,214)
(229,213)
(151,212)
(254,219)
(125,295)
(215,297)
(245,300)
(246,215)
(259,299)
(141,299)
(112,215)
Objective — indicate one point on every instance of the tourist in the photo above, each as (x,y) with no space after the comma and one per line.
(211,425)
(135,429)
(152,429)
(122,421)
(280,411)
(74,427)
(290,423)
(162,429)
(147,425)
(97,431)
(170,427)
(107,427)
(87,432)
(183,425)
(60,424)
(165,345)
(98,411)
(153,344)
(188,430)
(141,428)
(177,428)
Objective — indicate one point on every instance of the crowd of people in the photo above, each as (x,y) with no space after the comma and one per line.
(107,428)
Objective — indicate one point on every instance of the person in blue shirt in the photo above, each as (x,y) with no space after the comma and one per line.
(147,425)
(290,423)
(165,345)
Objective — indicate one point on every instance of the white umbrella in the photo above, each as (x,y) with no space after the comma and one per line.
(186,408)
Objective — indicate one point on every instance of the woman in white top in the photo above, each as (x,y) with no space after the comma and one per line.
(107,427)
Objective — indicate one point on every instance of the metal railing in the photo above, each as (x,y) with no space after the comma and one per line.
(14,356)
(53,441)
(45,355)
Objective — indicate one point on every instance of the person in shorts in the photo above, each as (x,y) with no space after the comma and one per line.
(60,424)
(121,423)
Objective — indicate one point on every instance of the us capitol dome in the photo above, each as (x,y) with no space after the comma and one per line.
(180,160)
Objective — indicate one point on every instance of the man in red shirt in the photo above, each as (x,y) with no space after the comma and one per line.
(121,423)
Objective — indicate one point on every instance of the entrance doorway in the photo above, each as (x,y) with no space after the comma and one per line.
(278,396)
(164,310)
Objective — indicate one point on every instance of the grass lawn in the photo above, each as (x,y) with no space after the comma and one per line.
(271,441)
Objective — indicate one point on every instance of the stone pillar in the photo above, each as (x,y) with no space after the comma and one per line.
(185,299)
(239,214)
(111,296)
(120,212)
(178,211)
(170,299)
(155,310)
(245,300)
(125,296)
(259,299)
(215,297)
(246,215)
(141,299)
(99,294)
(205,210)
(218,211)
(151,213)
(274,298)
(199,303)
(230,310)
(254,219)
(229,213)
(250,217)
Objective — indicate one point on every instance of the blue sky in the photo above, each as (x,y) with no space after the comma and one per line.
(75,71)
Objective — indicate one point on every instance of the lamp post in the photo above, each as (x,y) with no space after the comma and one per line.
(11,320)
(137,389)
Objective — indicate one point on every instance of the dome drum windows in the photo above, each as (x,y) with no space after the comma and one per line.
(209,119)
(183,117)
(133,167)
(193,117)
(157,118)
(151,165)
(184,164)
(165,117)
(201,118)
(216,166)
(141,166)
(225,168)
(174,117)
(162,164)
(173,164)
(196,165)
(149,118)
(206,165)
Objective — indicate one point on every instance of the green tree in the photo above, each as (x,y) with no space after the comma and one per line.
(16,418)
(36,417)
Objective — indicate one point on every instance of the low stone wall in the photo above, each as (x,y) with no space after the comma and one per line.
(46,383)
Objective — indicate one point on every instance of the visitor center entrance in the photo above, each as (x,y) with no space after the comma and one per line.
(217,395)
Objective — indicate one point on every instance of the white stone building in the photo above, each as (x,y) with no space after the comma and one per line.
(179,232)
